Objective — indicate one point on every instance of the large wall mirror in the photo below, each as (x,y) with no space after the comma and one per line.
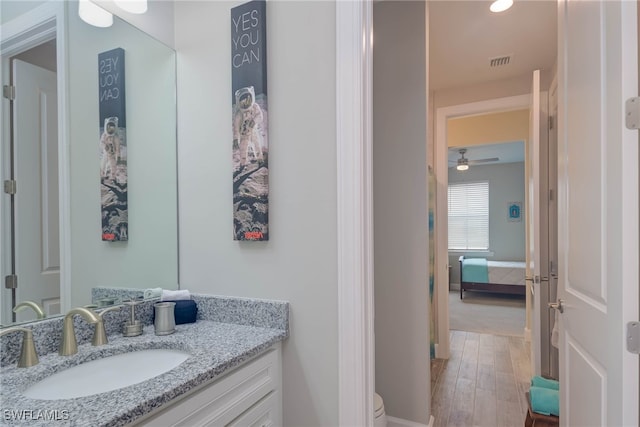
(52,151)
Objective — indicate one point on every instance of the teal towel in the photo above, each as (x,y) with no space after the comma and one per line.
(545,401)
(539,381)
(475,270)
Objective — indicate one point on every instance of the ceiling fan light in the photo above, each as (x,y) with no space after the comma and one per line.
(132,6)
(500,5)
(462,167)
(94,15)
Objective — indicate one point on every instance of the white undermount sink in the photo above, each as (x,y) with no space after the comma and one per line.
(106,374)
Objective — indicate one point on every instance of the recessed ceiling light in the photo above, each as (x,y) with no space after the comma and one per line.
(500,5)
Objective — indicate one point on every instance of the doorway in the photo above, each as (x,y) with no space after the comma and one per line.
(548,357)
(485,183)
(487,233)
(514,103)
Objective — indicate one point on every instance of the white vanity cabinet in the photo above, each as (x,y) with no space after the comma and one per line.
(249,395)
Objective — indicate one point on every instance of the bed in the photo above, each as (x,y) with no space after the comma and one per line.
(478,274)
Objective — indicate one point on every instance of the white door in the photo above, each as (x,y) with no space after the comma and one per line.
(598,212)
(37,252)
(537,224)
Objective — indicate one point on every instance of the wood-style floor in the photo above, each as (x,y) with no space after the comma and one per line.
(483,383)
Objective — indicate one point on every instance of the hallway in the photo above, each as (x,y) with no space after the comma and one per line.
(483,383)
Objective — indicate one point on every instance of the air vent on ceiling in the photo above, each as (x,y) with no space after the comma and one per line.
(499,61)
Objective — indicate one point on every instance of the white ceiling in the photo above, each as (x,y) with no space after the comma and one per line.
(463,36)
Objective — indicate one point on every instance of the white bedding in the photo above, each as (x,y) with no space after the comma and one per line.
(506,272)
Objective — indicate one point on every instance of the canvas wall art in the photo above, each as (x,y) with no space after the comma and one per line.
(250,121)
(113,146)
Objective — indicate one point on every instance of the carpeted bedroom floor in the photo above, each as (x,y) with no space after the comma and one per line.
(487,313)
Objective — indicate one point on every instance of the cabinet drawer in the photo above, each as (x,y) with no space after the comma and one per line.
(224,399)
(265,413)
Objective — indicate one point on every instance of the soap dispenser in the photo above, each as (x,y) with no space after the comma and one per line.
(132,327)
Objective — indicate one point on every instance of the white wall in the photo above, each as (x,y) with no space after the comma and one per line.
(400,209)
(149,258)
(299,262)
(506,184)
(10,9)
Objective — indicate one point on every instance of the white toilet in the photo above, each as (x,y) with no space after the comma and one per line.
(380,418)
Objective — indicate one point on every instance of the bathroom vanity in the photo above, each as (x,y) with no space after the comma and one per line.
(249,395)
(232,375)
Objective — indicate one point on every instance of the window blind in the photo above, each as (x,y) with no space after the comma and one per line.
(469,216)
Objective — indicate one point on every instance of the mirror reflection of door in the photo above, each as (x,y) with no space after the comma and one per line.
(35,250)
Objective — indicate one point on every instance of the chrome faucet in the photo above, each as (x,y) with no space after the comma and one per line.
(28,355)
(100,334)
(30,304)
(69,344)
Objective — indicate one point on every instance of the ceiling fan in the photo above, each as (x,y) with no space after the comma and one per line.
(463,163)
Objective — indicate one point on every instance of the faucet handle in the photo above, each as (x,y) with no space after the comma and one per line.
(100,333)
(28,354)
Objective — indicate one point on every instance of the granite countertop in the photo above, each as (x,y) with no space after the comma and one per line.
(215,348)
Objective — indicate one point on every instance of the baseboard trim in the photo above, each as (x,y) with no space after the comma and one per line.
(399,422)
(440,351)
(527,334)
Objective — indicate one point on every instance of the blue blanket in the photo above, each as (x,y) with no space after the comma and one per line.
(475,270)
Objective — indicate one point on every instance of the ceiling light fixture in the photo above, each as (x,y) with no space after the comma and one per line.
(463,162)
(94,15)
(500,5)
(132,6)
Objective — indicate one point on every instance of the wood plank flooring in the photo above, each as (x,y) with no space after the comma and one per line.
(483,383)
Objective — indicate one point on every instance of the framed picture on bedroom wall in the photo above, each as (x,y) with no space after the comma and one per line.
(515,211)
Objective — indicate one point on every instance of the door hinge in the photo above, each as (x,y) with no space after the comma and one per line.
(551,195)
(552,270)
(10,186)
(632,113)
(550,122)
(11,281)
(633,337)
(9,92)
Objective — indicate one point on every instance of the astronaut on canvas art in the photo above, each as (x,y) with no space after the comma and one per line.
(247,121)
(109,148)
